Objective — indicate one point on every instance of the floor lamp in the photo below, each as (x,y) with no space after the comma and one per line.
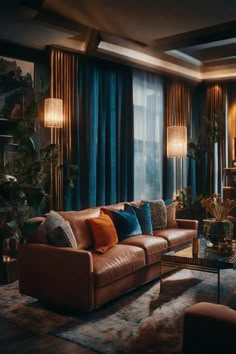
(53,113)
(53,118)
(177,147)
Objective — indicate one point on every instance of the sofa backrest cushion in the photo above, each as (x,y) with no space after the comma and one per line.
(143,214)
(171,215)
(125,221)
(80,226)
(117,206)
(104,233)
(158,213)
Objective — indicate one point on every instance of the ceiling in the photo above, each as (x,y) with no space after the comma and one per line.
(196,39)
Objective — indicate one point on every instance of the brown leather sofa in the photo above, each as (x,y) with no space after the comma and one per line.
(209,329)
(82,279)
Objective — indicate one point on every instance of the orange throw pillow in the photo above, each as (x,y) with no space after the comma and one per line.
(104,233)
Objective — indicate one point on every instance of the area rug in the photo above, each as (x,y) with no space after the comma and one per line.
(143,321)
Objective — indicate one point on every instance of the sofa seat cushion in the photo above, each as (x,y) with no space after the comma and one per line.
(153,246)
(177,236)
(80,226)
(117,262)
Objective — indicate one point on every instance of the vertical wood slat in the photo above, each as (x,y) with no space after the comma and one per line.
(63,76)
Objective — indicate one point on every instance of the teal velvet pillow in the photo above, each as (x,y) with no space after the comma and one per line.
(143,214)
(126,223)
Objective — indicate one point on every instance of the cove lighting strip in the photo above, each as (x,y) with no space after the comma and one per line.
(149,60)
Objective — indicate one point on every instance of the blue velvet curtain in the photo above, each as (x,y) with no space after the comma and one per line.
(104,130)
(197,161)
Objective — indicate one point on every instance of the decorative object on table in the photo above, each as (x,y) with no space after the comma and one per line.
(219,208)
(218,229)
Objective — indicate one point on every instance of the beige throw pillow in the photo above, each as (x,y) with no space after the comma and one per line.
(171,215)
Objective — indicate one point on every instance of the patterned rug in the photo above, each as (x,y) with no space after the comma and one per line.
(143,321)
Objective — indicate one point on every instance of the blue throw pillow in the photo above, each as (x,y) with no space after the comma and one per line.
(143,214)
(126,223)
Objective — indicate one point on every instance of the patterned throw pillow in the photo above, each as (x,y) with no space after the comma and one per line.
(104,233)
(59,231)
(62,236)
(158,214)
(171,215)
(143,214)
(53,220)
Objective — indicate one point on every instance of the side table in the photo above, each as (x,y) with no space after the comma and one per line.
(8,270)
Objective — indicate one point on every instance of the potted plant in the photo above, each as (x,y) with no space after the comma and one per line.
(219,228)
(25,192)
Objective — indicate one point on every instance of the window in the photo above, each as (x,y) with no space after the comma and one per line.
(148,135)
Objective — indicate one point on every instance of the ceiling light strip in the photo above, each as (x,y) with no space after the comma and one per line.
(177,54)
(148,59)
(219,74)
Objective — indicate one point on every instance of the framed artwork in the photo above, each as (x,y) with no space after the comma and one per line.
(17,99)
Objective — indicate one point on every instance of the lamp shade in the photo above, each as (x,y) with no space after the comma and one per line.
(176,141)
(53,113)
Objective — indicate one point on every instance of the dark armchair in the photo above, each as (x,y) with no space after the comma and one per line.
(209,329)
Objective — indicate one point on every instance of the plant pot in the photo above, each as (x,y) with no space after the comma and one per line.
(217,231)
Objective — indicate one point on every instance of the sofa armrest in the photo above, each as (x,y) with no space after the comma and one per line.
(56,275)
(187,224)
(209,328)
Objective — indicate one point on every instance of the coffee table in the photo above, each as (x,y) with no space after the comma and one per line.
(207,259)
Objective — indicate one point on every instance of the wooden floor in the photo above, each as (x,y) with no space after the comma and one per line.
(15,340)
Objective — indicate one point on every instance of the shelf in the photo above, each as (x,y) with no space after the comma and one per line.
(6,136)
(8,120)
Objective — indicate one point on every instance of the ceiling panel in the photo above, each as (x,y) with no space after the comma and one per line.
(192,34)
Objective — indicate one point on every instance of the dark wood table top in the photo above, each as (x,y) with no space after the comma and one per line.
(206,256)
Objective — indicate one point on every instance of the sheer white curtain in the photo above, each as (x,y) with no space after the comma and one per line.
(148,135)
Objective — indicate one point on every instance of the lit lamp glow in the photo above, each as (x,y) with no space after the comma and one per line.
(176,141)
(177,147)
(53,113)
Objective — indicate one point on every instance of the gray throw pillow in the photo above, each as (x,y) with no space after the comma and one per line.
(59,231)
(53,220)
(62,236)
